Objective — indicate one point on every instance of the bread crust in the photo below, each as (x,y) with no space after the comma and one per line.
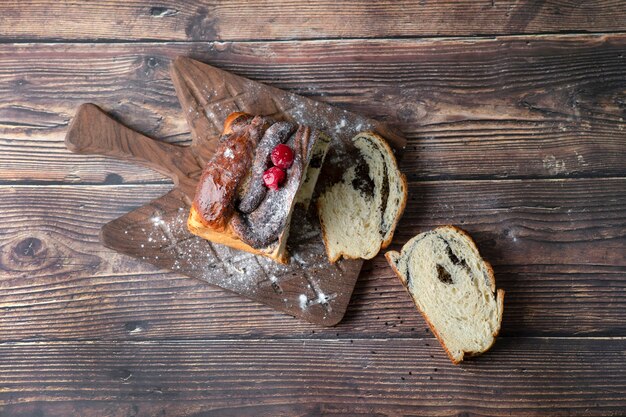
(499,295)
(229,238)
(217,186)
(405,187)
(235,119)
(405,184)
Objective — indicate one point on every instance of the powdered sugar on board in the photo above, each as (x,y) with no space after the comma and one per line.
(340,125)
(244,272)
(308,281)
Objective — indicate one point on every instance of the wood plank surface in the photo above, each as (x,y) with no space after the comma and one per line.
(262,19)
(520,376)
(515,116)
(505,108)
(557,247)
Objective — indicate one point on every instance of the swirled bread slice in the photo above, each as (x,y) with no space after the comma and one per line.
(359,213)
(453,288)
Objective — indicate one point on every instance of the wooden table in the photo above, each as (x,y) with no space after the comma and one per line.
(514,111)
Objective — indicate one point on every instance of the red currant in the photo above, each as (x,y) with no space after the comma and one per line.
(282,156)
(274,177)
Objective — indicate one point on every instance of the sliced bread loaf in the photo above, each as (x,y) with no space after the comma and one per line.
(453,288)
(359,213)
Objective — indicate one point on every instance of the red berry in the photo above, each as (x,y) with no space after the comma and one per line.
(282,156)
(274,177)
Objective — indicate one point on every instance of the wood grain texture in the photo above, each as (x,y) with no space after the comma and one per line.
(528,376)
(86,331)
(557,247)
(262,19)
(507,108)
(93,132)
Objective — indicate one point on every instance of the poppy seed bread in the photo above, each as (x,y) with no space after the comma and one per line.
(453,288)
(359,213)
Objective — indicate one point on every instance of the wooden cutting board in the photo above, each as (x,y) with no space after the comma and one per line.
(309,287)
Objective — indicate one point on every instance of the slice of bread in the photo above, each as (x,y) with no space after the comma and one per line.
(453,288)
(359,213)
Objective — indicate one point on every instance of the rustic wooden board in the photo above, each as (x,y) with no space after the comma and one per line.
(557,247)
(308,287)
(527,107)
(527,376)
(204,20)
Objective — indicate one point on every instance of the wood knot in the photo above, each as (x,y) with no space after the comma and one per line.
(28,254)
(41,252)
(162,12)
(147,66)
(134,327)
(20,82)
(123,375)
(113,179)
(152,62)
(28,247)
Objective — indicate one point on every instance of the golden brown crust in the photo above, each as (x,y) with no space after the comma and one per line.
(217,186)
(228,238)
(400,212)
(499,295)
(233,119)
(388,149)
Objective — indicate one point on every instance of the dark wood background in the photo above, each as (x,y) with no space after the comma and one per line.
(514,111)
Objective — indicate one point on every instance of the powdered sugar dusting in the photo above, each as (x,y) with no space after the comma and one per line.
(243,272)
(340,124)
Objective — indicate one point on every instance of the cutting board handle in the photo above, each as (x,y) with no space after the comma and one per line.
(94,132)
